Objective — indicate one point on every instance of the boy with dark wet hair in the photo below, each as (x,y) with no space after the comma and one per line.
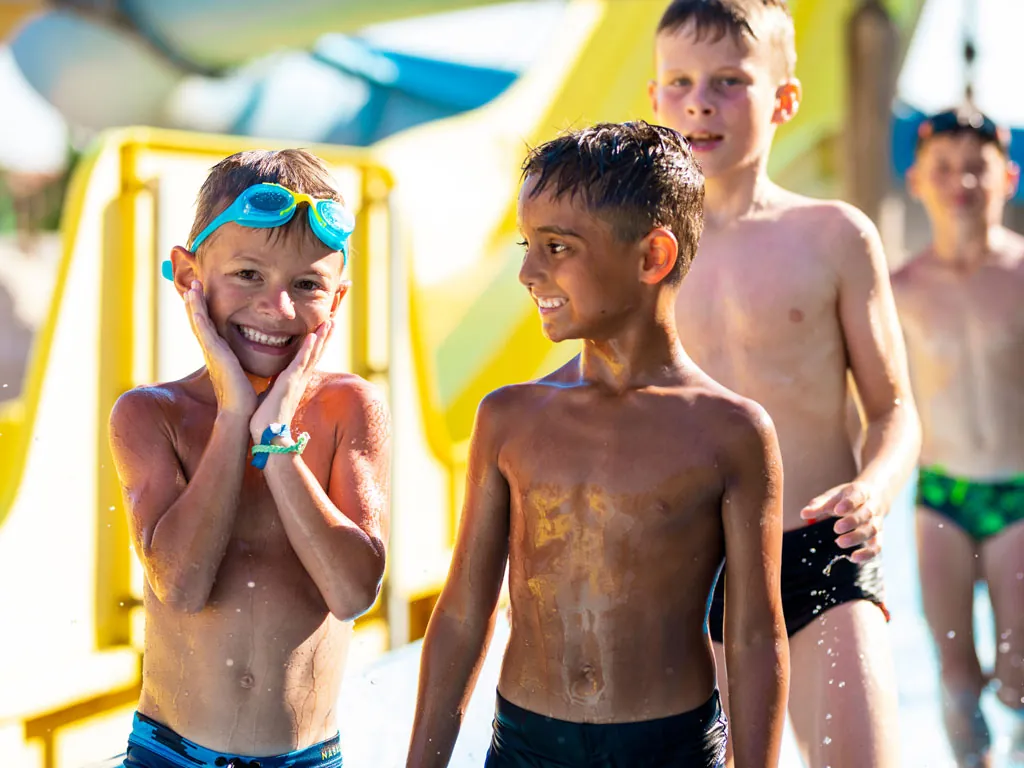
(612,488)
(963,319)
(256,488)
(788,297)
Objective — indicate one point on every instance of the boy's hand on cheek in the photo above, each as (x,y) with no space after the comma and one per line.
(235,394)
(282,399)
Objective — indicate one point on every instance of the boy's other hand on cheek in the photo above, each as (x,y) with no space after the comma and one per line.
(279,403)
(235,394)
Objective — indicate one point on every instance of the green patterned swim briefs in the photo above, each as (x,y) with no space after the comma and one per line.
(982,509)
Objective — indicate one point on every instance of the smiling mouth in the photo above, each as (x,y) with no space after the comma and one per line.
(548,305)
(704,140)
(277,341)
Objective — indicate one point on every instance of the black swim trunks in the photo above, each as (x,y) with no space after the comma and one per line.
(814,578)
(695,739)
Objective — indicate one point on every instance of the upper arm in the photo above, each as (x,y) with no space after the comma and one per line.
(360,481)
(867,312)
(481,547)
(147,465)
(752,522)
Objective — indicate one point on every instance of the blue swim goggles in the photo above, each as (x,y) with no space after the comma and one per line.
(266,205)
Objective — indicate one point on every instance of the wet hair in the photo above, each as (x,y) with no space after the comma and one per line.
(714,19)
(633,175)
(297,169)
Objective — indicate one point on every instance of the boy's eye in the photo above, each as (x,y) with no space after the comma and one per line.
(523,244)
(729,81)
(309,285)
(247,274)
(680,81)
(557,247)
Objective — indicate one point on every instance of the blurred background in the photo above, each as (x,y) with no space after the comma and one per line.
(111,113)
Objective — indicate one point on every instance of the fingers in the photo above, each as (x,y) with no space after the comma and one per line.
(820,507)
(199,317)
(872,548)
(857,529)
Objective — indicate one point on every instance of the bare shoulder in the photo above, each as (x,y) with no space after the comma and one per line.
(834,228)
(909,276)
(741,425)
(747,431)
(349,400)
(151,405)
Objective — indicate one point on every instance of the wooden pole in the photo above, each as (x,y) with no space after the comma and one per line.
(873,57)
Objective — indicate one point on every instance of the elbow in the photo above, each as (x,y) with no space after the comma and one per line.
(179,593)
(359,594)
(181,600)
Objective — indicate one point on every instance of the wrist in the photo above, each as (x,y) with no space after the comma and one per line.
(233,421)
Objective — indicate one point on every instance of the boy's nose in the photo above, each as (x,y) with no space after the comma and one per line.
(698,103)
(277,303)
(529,271)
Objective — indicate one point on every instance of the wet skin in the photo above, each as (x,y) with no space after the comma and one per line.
(787,301)
(615,538)
(253,577)
(612,489)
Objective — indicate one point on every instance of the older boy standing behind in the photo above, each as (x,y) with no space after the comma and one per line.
(786,297)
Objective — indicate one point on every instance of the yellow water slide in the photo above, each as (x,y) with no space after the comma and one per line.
(435,315)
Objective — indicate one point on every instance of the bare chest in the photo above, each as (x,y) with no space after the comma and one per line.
(587,481)
(757,292)
(977,321)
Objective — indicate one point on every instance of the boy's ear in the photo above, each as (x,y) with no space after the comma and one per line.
(914,181)
(185,268)
(1012,179)
(652,94)
(660,251)
(339,294)
(787,101)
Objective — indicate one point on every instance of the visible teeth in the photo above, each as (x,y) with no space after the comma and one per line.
(550,303)
(261,338)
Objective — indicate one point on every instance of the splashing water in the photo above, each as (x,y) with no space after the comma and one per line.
(827,740)
(828,568)
(951,634)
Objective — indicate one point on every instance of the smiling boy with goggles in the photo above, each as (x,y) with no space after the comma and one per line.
(264,206)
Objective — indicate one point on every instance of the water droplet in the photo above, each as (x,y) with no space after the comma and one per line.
(238,610)
(833,665)
(820,642)
(121,604)
(828,716)
(812,550)
(827,740)
(251,584)
(1006,634)
(942,525)
(951,634)
(1004,647)
(111,509)
(842,684)
(230,662)
(831,681)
